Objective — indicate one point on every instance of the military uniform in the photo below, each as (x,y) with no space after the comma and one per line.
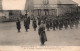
(18,25)
(42,34)
(47,25)
(34,24)
(54,24)
(28,21)
(26,24)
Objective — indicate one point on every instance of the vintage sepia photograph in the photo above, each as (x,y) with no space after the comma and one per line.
(40,23)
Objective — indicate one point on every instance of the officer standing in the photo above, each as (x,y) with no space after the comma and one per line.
(42,33)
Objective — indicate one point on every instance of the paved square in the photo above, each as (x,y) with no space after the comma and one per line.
(10,36)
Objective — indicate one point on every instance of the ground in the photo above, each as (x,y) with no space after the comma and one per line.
(10,36)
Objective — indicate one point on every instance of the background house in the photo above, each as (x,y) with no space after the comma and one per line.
(51,7)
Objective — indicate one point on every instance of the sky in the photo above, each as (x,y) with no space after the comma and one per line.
(18,4)
(13,4)
(78,1)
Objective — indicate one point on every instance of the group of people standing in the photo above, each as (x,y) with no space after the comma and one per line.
(48,23)
(59,23)
(41,30)
(26,24)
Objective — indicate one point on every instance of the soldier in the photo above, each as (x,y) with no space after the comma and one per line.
(50,23)
(28,21)
(57,23)
(71,24)
(60,24)
(76,22)
(34,24)
(47,24)
(39,21)
(26,24)
(18,24)
(65,23)
(42,33)
(54,24)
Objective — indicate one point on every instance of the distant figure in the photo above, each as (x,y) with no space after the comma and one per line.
(65,23)
(18,24)
(42,33)
(39,21)
(50,23)
(47,25)
(54,24)
(76,22)
(28,21)
(71,24)
(60,24)
(34,24)
(26,24)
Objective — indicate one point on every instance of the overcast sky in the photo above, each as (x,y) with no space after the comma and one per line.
(78,1)
(18,4)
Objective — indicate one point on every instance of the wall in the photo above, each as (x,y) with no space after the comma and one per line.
(62,9)
(15,14)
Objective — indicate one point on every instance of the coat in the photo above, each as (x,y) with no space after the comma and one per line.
(39,21)
(41,28)
(34,24)
(18,24)
(26,24)
(47,24)
(43,37)
(28,20)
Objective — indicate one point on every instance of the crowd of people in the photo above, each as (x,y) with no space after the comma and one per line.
(51,22)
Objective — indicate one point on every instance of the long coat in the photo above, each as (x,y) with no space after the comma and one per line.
(41,28)
(34,24)
(18,24)
(42,33)
(26,24)
(39,21)
(47,24)
(28,20)
(54,24)
(43,37)
(50,23)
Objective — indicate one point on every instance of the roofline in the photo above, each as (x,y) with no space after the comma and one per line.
(67,4)
(57,4)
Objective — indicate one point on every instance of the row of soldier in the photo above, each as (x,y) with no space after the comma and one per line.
(55,23)
(59,23)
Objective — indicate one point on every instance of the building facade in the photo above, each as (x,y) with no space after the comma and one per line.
(52,7)
(14,14)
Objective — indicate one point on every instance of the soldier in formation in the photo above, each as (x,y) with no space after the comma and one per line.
(18,24)
(26,24)
(34,24)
